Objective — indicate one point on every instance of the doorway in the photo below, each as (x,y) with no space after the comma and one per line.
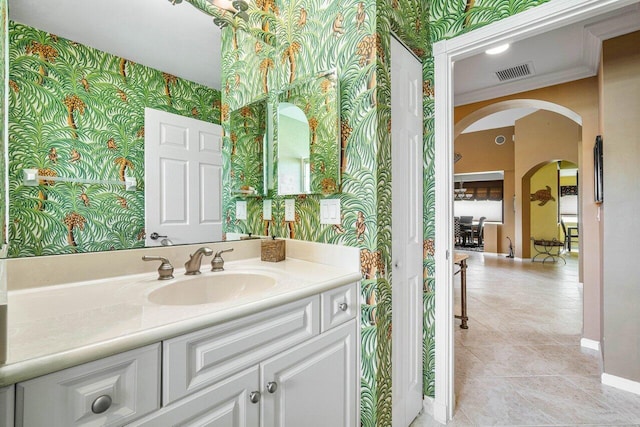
(548,16)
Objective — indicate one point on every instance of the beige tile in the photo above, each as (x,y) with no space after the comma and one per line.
(565,403)
(520,362)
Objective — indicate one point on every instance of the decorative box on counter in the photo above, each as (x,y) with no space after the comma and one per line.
(273,250)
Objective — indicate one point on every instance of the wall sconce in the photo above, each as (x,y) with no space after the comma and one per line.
(236,7)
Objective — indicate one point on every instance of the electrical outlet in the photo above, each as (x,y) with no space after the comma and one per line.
(266,210)
(241,210)
(290,209)
(330,211)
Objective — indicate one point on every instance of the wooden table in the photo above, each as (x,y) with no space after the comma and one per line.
(461,260)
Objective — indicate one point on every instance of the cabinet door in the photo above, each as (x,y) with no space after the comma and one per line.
(6,406)
(314,384)
(230,403)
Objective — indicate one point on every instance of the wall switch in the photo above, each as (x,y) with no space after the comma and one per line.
(330,211)
(290,209)
(241,210)
(266,210)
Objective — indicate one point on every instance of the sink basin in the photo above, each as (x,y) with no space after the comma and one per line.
(211,288)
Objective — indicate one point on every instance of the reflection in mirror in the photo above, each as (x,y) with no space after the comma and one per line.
(308,148)
(248,126)
(294,171)
(77,111)
(183,176)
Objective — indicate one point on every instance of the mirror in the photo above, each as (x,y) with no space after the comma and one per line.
(294,153)
(308,146)
(77,111)
(248,134)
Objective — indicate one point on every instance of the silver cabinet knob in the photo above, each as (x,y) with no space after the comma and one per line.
(101,404)
(254,397)
(272,386)
(343,306)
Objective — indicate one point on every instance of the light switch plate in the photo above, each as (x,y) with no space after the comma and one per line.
(241,210)
(330,211)
(266,210)
(290,209)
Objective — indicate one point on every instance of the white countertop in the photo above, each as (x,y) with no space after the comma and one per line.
(55,327)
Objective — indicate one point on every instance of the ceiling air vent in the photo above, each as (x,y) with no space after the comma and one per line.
(516,72)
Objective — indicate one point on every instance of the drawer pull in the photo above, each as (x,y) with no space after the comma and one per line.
(343,306)
(254,397)
(101,404)
(272,386)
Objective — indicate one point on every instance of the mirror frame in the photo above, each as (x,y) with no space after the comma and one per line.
(331,75)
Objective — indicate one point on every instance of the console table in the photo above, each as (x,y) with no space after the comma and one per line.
(548,249)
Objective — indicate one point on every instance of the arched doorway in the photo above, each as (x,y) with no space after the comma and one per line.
(552,132)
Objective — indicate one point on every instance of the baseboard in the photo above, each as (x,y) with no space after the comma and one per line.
(439,411)
(590,344)
(427,405)
(621,383)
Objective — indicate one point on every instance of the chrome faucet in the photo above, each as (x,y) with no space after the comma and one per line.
(217,263)
(192,266)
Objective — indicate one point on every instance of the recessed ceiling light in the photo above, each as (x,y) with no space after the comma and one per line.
(497,50)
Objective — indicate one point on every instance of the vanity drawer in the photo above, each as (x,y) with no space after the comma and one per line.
(197,360)
(129,381)
(339,305)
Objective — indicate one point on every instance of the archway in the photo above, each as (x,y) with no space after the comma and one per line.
(553,132)
(548,217)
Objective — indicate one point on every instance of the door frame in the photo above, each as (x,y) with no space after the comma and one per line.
(548,16)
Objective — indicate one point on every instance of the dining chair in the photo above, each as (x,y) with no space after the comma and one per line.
(478,230)
(570,233)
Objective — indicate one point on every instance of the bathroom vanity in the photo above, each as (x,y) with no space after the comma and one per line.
(284,353)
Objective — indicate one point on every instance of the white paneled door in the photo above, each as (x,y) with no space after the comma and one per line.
(183,178)
(406,225)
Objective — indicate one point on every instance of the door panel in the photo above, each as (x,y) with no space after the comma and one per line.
(407,173)
(225,404)
(316,382)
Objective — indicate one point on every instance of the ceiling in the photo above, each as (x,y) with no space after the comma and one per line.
(555,57)
(180,40)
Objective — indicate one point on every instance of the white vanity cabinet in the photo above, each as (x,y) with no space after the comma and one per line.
(6,406)
(107,392)
(292,365)
(274,368)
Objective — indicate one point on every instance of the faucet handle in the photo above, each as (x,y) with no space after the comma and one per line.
(223,251)
(217,263)
(165,271)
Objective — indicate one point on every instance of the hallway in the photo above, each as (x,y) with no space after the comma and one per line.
(520,362)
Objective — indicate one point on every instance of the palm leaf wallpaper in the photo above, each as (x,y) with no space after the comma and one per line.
(77,112)
(284,41)
(84,119)
(3,93)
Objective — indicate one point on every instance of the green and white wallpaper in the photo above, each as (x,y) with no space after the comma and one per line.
(287,40)
(3,93)
(68,117)
(77,112)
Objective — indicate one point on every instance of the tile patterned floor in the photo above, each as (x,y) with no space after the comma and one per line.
(520,362)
